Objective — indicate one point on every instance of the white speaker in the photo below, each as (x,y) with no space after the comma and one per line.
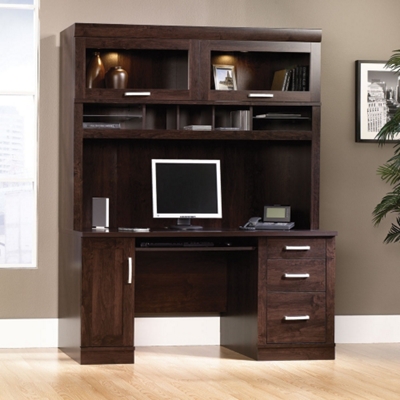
(100,207)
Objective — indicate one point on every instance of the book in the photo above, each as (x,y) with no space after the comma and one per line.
(280,116)
(278,82)
(240,119)
(304,78)
(101,125)
(197,127)
(288,79)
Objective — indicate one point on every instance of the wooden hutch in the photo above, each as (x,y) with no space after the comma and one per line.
(274,290)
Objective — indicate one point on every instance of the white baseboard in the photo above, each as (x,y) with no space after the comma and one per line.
(203,331)
(367,328)
(186,331)
(28,333)
(34,333)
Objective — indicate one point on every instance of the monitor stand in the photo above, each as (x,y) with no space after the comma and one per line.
(184,224)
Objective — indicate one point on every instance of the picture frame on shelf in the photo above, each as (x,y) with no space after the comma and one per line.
(377,98)
(224,77)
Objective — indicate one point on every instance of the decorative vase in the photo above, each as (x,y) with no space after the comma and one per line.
(116,78)
(95,72)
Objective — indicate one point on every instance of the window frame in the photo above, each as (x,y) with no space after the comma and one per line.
(35,97)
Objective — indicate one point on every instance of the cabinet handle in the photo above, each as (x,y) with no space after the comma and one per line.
(295,248)
(260,95)
(132,94)
(297,318)
(296,276)
(129,270)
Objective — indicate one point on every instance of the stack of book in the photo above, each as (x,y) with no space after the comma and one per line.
(293,78)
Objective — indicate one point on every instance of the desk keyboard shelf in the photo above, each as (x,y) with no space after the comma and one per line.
(190,249)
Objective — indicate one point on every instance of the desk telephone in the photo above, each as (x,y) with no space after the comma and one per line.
(275,218)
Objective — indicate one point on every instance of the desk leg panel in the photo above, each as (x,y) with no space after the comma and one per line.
(296,353)
(107,355)
(239,325)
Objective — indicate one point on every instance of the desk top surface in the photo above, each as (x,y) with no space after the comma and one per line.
(207,233)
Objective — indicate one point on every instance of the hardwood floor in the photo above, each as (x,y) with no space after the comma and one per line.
(361,371)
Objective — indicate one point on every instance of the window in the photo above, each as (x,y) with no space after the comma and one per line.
(18,132)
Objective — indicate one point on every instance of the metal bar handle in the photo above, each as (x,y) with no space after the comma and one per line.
(296,276)
(129,270)
(137,94)
(297,248)
(297,318)
(260,95)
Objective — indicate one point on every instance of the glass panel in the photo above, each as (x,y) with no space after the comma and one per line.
(16,2)
(17,222)
(17,47)
(257,70)
(147,69)
(17,138)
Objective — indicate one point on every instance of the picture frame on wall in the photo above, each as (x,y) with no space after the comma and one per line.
(224,77)
(377,98)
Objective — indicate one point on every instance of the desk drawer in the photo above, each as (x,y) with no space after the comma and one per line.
(296,318)
(296,275)
(296,248)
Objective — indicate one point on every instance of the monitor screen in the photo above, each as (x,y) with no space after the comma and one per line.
(186,189)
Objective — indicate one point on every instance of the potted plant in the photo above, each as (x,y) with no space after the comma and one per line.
(390,171)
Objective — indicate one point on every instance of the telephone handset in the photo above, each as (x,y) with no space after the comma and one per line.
(251,223)
(255,223)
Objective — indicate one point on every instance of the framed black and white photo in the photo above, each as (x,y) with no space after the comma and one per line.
(377,98)
(224,77)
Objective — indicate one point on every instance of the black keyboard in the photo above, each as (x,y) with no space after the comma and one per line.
(198,244)
(177,244)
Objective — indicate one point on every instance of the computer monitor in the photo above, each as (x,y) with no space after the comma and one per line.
(186,189)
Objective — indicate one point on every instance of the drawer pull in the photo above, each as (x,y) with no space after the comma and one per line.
(297,318)
(129,270)
(260,95)
(297,248)
(138,94)
(296,276)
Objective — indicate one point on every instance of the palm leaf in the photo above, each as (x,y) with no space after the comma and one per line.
(394,233)
(389,203)
(394,61)
(390,129)
(390,172)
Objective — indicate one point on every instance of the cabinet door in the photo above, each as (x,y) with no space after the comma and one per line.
(156,69)
(107,307)
(262,71)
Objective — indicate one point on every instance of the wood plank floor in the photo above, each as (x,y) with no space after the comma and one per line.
(361,371)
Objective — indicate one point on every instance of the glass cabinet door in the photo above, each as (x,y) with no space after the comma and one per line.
(261,71)
(135,70)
